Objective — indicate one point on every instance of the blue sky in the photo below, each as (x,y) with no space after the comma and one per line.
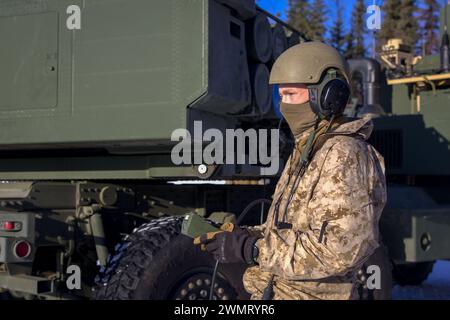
(281,6)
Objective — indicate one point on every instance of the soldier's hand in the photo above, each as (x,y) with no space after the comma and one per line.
(229,247)
(204,238)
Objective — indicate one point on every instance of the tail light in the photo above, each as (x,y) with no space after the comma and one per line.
(22,249)
(10,226)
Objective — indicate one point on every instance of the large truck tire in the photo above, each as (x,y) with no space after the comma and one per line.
(157,262)
(412,274)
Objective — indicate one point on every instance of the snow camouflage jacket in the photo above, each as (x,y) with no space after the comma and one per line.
(334,215)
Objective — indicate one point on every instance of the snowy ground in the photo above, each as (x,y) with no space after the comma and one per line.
(437,286)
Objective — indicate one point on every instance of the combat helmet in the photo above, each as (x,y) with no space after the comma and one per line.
(323,69)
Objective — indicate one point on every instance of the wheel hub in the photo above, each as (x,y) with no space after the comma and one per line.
(198,286)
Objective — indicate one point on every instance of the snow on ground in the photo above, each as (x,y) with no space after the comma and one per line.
(436,287)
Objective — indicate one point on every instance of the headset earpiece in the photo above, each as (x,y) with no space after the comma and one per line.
(330,96)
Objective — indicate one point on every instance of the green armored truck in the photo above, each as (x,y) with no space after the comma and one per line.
(94,97)
(91,94)
(409,100)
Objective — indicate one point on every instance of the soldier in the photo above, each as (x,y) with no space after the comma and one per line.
(323,222)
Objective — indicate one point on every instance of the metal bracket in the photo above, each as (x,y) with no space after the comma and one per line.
(27,284)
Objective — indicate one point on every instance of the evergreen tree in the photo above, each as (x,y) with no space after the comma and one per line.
(317,28)
(391,15)
(298,15)
(349,47)
(359,29)
(355,47)
(337,37)
(430,23)
(407,24)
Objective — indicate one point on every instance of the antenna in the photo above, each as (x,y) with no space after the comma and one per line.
(445,16)
(445,44)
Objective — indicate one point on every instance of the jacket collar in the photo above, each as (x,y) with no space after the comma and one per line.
(362,127)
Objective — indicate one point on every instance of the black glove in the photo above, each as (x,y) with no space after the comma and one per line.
(233,247)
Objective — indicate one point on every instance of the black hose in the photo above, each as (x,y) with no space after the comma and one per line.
(249,207)
(238,222)
(213,280)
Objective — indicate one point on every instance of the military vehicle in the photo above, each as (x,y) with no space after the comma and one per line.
(91,92)
(91,203)
(410,100)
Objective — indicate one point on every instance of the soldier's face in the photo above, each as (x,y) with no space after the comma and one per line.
(294,93)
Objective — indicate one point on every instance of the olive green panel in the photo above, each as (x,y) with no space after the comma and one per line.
(428,64)
(89,168)
(128,75)
(29,79)
(401,103)
(436,113)
(423,128)
(412,144)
